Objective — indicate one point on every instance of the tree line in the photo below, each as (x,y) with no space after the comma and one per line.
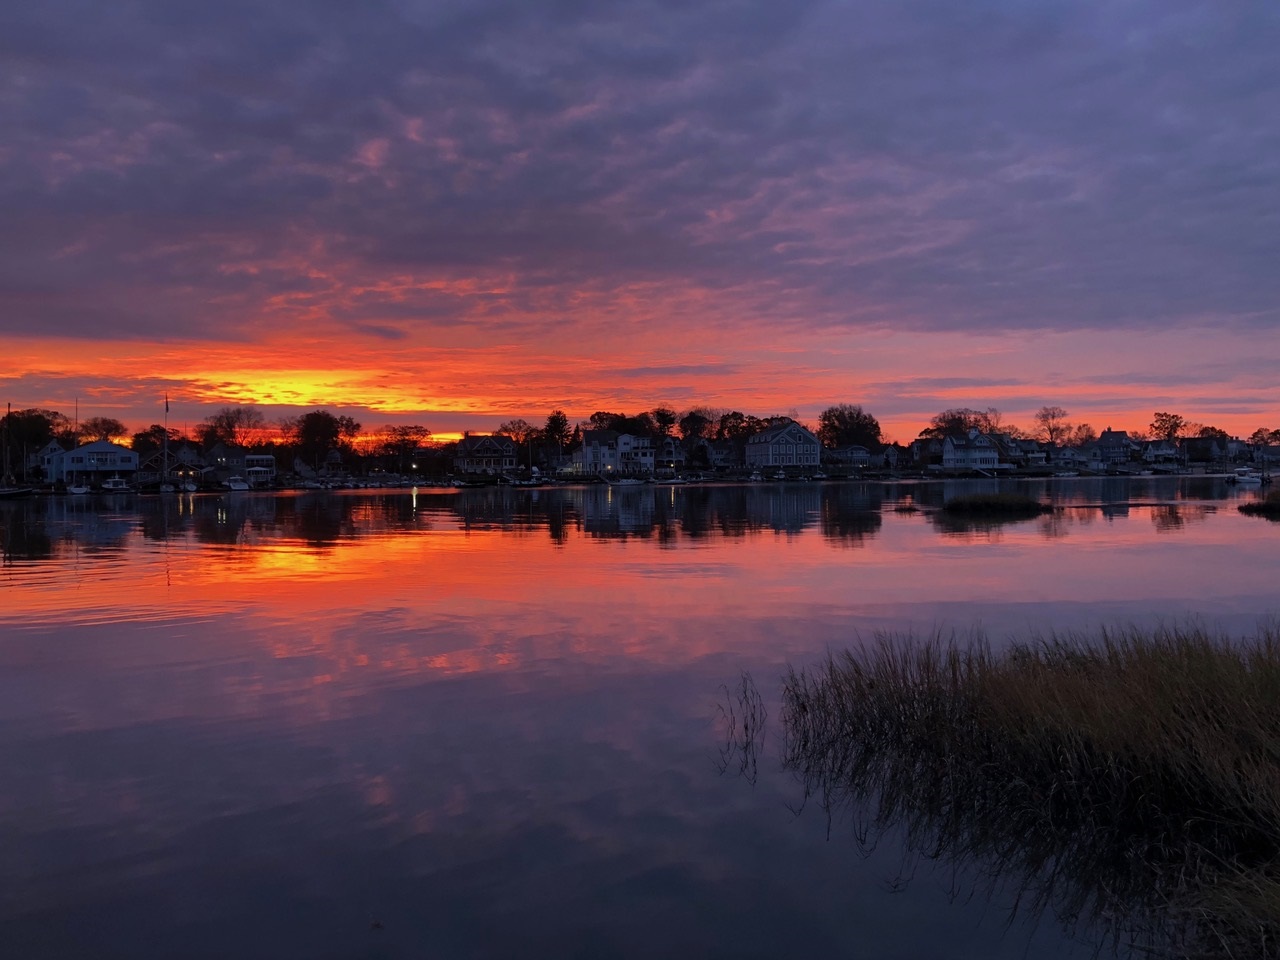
(316,435)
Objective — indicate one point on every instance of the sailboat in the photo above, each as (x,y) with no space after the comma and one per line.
(8,488)
(165,485)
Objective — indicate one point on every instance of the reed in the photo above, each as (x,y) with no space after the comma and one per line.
(996,505)
(1130,779)
(1268,506)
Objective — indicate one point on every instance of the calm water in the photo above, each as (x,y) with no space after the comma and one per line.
(485,723)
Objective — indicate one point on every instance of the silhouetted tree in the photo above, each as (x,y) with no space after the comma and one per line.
(848,424)
(956,421)
(556,430)
(235,425)
(402,441)
(1051,424)
(664,418)
(1167,426)
(30,430)
(318,432)
(695,424)
(152,439)
(1263,437)
(102,428)
(1081,434)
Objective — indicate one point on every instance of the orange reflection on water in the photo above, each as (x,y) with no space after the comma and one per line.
(438,592)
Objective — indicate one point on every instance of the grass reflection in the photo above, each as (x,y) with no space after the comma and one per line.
(1129,782)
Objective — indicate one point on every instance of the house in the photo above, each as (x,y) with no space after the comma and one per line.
(260,469)
(973,451)
(1114,446)
(1204,450)
(37,460)
(1159,451)
(485,453)
(598,455)
(853,455)
(90,462)
(668,456)
(610,453)
(926,451)
(635,455)
(1068,458)
(226,460)
(784,444)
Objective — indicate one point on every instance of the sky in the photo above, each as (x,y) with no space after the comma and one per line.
(457,213)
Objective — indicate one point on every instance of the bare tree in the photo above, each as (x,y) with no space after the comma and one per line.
(236,425)
(1051,424)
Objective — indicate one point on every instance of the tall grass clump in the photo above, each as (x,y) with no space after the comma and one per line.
(1129,780)
(1268,506)
(996,505)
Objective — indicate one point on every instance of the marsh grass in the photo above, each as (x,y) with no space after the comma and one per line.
(996,505)
(1268,506)
(1129,780)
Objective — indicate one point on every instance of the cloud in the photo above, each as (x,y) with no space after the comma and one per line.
(580,177)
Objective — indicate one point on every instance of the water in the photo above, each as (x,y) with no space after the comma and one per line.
(485,723)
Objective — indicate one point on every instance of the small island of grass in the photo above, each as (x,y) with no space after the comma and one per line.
(1008,505)
(1268,506)
(1129,779)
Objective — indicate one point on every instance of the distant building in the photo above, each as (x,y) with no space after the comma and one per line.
(90,462)
(785,444)
(485,453)
(974,451)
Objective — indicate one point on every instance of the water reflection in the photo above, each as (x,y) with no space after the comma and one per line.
(241,725)
(846,513)
(1124,785)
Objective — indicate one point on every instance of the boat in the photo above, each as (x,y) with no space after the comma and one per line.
(1248,477)
(189,486)
(77,489)
(9,490)
(115,484)
(237,483)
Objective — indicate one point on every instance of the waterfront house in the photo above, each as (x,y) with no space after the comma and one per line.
(1114,446)
(485,453)
(668,456)
(36,462)
(607,453)
(1159,451)
(91,462)
(853,455)
(974,451)
(784,444)
(598,455)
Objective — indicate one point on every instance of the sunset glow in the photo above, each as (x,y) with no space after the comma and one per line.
(370,229)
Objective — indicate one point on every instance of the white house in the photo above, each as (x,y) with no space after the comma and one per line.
(976,451)
(91,462)
(785,444)
(607,452)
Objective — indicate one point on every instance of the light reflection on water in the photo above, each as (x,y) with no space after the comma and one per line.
(250,725)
